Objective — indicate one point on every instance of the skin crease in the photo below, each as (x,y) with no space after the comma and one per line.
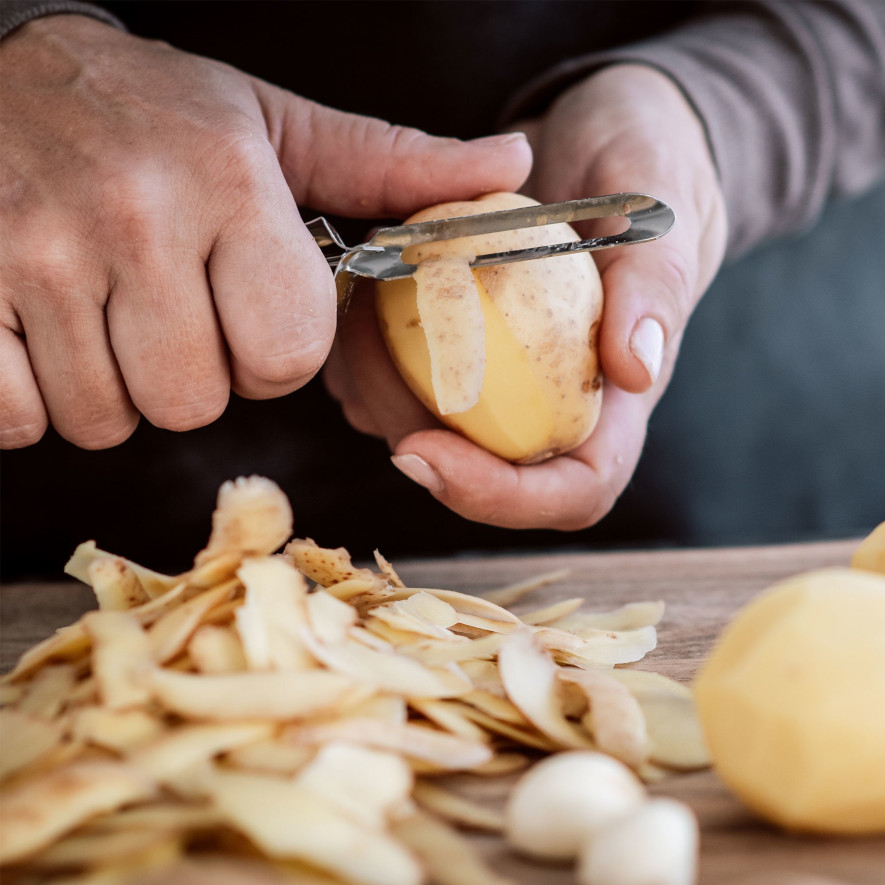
(625,128)
(153,256)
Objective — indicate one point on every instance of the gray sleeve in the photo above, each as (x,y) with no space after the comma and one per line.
(15,13)
(792,95)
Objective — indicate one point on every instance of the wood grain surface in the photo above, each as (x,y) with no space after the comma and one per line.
(702,589)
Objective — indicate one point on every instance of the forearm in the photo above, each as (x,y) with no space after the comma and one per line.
(792,96)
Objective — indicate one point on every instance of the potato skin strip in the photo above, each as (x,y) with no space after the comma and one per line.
(89,564)
(277,696)
(446,751)
(34,813)
(453,321)
(24,738)
(325,565)
(513,593)
(292,714)
(456,809)
(189,745)
(287,820)
(529,674)
(614,718)
(122,658)
(49,690)
(449,857)
(387,671)
(67,644)
(252,517)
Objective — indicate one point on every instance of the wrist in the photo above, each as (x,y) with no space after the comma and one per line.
(14,14)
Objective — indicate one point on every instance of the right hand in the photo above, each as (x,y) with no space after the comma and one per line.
(153,256)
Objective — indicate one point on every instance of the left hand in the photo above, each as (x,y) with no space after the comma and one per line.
(625,128)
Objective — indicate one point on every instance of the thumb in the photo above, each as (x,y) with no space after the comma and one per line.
(346,164)
(650,292)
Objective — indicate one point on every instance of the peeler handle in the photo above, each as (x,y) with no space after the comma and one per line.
(649,219)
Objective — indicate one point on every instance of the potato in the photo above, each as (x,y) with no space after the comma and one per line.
(870,556)
(506,354)
(792,701)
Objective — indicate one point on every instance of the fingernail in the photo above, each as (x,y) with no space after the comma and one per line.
(419,471)
(647,345)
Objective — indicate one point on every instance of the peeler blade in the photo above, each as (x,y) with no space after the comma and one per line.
(381,257)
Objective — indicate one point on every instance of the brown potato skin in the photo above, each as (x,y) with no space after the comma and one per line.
(542,321)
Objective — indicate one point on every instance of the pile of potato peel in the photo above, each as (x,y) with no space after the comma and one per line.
(296,712)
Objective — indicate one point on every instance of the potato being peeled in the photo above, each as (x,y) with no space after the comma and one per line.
(507,354)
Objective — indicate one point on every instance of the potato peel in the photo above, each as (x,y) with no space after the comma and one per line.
(216,707)
(452,317)
(34,813)
(529,676)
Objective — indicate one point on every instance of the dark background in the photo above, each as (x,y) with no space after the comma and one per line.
(773,428)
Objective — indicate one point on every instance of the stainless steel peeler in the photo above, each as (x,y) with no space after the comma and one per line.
(381,258)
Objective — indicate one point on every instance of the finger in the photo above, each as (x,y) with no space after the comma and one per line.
(273,289)
(376,398)
(364,167)
(79,379)
(533,130)
(339,384)
(23,417)
(650,292)
(567,493)
(166,338)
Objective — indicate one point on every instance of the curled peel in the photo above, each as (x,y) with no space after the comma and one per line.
(452,317)
(228,697)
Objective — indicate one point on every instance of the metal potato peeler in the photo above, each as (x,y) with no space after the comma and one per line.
(380,258)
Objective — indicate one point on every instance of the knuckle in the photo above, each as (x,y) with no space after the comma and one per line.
(678,273)
(133,202)
(401,139)
(44,253)
(130,185)
(677,277)
(53,262)
(242,156)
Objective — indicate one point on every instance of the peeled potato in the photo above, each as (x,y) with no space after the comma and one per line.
(792,701)
(506,354)
(870,556)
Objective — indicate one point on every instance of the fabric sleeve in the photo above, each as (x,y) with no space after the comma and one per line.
(15,13)
(792,96)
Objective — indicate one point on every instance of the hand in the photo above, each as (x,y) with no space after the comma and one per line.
(626,128)
(153,256)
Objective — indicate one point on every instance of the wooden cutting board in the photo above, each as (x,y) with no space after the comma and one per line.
(702,589)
